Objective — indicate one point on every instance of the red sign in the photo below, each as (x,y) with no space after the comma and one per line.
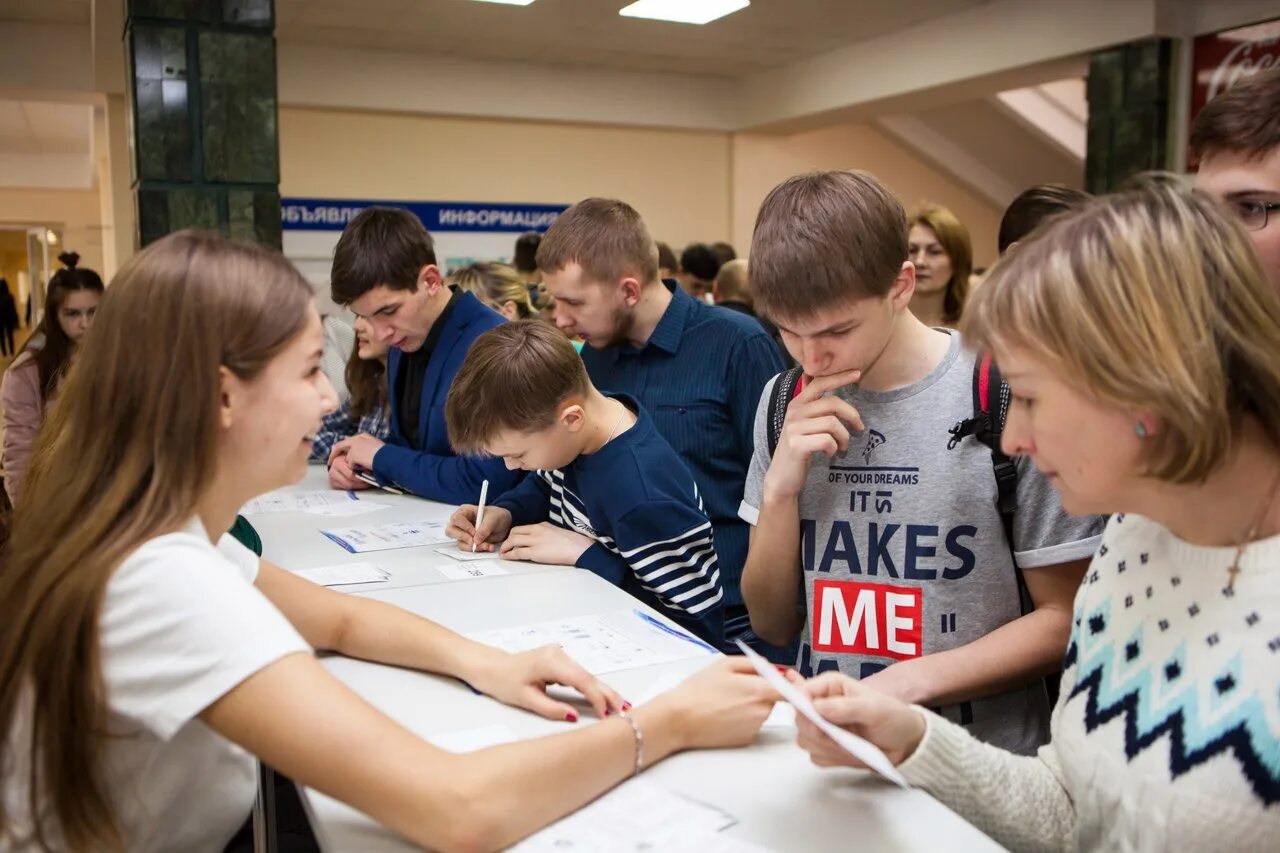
(1223,59)
(867,619)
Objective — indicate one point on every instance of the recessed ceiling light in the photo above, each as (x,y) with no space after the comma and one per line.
(508,2)
(683,11)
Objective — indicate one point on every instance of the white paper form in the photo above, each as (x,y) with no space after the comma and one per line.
(385,537)
(467,571)
(330,502)
(455,553)
(863,750)
(595,644)
(638,815)
(345,573)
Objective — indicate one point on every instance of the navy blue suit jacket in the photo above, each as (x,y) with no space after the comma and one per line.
(436,472)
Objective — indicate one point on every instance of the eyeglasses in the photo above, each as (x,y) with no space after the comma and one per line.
(1254,214)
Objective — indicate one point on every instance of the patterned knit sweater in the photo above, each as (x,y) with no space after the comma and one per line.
(1167,732)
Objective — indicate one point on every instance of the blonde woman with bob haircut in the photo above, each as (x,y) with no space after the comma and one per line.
(145,659)
(1141,340)
(498,286)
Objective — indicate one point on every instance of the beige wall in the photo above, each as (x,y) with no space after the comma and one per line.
(75,213)
(678,180)
(762,161)
(688,185)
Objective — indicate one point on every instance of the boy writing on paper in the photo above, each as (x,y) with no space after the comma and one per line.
(609,494)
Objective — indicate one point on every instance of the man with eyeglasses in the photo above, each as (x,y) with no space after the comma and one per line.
(1236,139)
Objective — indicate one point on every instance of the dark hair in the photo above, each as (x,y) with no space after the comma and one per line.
(526,354)
(366,380)
(667,258)
(700,261)
(724,251)
(526,256)
(385,246)
(4,286)
(1034,205)
(1245,118)
(604,236)
(53,356)
(825,239)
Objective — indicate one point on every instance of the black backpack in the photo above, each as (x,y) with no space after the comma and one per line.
(991,399)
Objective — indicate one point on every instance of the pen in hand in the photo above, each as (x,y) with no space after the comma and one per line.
(484,493)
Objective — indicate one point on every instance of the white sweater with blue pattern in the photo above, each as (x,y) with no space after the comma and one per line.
(1167,732)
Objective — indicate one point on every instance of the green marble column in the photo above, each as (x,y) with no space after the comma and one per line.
(1131,97)
(203,117)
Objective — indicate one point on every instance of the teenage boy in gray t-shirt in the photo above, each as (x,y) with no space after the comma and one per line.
(876,544)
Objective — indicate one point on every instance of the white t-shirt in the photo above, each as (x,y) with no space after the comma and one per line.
(181,625)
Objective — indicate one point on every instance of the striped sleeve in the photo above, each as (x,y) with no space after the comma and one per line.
(678,572)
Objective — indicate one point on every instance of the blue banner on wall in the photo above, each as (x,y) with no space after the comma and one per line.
(329,214)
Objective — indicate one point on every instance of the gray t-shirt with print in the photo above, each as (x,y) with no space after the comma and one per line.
(903,549)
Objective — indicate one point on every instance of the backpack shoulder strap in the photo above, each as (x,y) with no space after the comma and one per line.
(994,397)
(789,384)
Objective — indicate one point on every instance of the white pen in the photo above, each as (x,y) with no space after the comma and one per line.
(484,493)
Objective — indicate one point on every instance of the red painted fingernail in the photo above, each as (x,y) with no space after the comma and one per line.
(571,717)
(626,706)
(607,711)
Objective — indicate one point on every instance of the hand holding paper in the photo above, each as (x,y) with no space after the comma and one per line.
(864,751)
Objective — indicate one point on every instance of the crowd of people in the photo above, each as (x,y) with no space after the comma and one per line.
(1023,536)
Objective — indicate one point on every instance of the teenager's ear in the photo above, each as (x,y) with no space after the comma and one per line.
(904,286)
(430,279)
(510,310)
(573,417)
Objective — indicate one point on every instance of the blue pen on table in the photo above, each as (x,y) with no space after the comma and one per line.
(667,629)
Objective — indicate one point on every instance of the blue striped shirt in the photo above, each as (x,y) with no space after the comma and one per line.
(700,375)
(640,504)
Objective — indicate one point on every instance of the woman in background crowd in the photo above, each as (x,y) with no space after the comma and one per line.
(31,383)
(943,257)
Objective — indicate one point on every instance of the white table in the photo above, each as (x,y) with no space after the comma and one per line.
(781,801)
(293,540)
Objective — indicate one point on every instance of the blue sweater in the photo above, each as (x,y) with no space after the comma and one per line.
(700,374)
(640,504)
(436,472)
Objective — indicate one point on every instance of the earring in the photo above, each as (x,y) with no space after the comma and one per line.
(1140,429)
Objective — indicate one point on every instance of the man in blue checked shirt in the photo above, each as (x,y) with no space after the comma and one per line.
(697,369)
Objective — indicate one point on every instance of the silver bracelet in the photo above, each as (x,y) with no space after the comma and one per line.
(635,729)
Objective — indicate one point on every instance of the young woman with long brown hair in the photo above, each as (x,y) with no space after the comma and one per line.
(366,408)
(145,658)
(31,382)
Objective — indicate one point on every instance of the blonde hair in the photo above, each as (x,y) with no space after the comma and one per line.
(1150,300)
(954,239)
(495,284)
(732,281)
(125,455)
